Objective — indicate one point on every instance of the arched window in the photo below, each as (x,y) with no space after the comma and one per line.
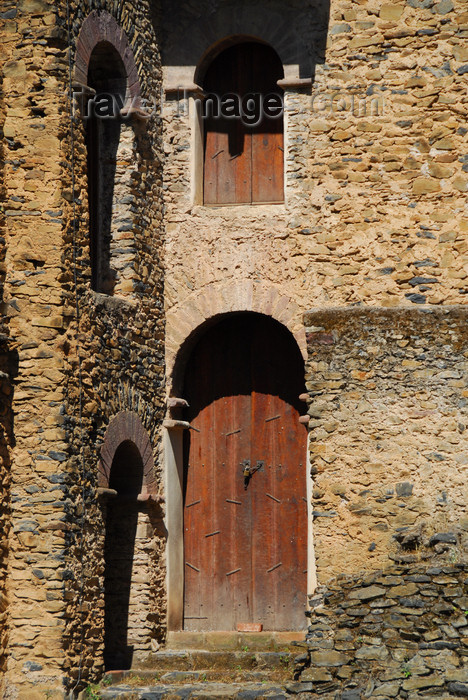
(126,477)
(107,78)
(243,127)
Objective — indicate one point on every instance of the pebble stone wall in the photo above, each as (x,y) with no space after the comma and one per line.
(82,357)
(398,633)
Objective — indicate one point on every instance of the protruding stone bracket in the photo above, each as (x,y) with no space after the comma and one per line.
(295,83)
(127,426)
(177,424)
(174,403)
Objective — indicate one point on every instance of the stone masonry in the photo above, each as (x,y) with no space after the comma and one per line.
(83,358)
(387,410)
(394,633)
(365,263)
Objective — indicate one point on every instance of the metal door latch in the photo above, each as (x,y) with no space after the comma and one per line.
(248,471)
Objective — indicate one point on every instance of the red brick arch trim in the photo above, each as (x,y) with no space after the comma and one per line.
(127,426)
(99,27)
(218,299)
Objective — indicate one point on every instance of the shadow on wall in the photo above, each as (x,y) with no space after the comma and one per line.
(106,76)
(264,359)
(126,478)
(296,30)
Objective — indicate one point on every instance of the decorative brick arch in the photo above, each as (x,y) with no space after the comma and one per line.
(183,319)
(127,426)
(102,27)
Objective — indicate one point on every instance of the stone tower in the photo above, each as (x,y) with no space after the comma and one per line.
(139,267)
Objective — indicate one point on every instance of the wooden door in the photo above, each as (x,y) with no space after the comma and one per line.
(243,162)
(245,540)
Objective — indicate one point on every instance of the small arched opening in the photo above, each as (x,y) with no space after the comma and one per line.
(243,125)
(108,83)
(126,478)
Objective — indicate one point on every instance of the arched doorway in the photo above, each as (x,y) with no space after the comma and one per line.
(126,477)
(245,510)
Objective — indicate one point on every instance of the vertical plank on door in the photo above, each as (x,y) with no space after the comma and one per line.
(228,149)
(267,136)
(242,383)
(279,535)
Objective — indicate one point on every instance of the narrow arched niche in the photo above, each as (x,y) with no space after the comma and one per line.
(108,91)
(107,79)
(126,477)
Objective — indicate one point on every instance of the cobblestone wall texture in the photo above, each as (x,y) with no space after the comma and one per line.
(400,633)
(82,357)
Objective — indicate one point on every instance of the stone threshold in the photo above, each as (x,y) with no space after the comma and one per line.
(231,640)
(208,691)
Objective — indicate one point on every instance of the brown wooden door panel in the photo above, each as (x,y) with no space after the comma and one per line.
(245,548)
(278,507)
(228,166)
(268,171)
(243,162)
(267,137)
(228,148)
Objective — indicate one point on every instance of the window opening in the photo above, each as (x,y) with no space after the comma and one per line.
(243,127)
(106,77)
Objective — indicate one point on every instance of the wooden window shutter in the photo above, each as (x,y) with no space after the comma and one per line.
(243,160)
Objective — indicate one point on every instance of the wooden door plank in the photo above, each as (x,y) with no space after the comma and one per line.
(267,137)
(280,583)
(227,162)
(267,167)
(218,407)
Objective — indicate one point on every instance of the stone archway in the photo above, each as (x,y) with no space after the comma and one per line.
(102,27)
(127,426)
(184,323)
(127,490)
(183,319)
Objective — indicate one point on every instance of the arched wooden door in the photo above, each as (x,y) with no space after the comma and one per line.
(245,511)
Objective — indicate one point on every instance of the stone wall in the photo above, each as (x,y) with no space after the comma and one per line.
(32,107)
(6,421)
(388,412)
(82,357)
(374,213)
(375,194)
(401,633)
(116,353)
(8,362)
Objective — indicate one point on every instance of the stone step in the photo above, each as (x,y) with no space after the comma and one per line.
(201,659)
(209,691)
(231,641)
(235,675)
